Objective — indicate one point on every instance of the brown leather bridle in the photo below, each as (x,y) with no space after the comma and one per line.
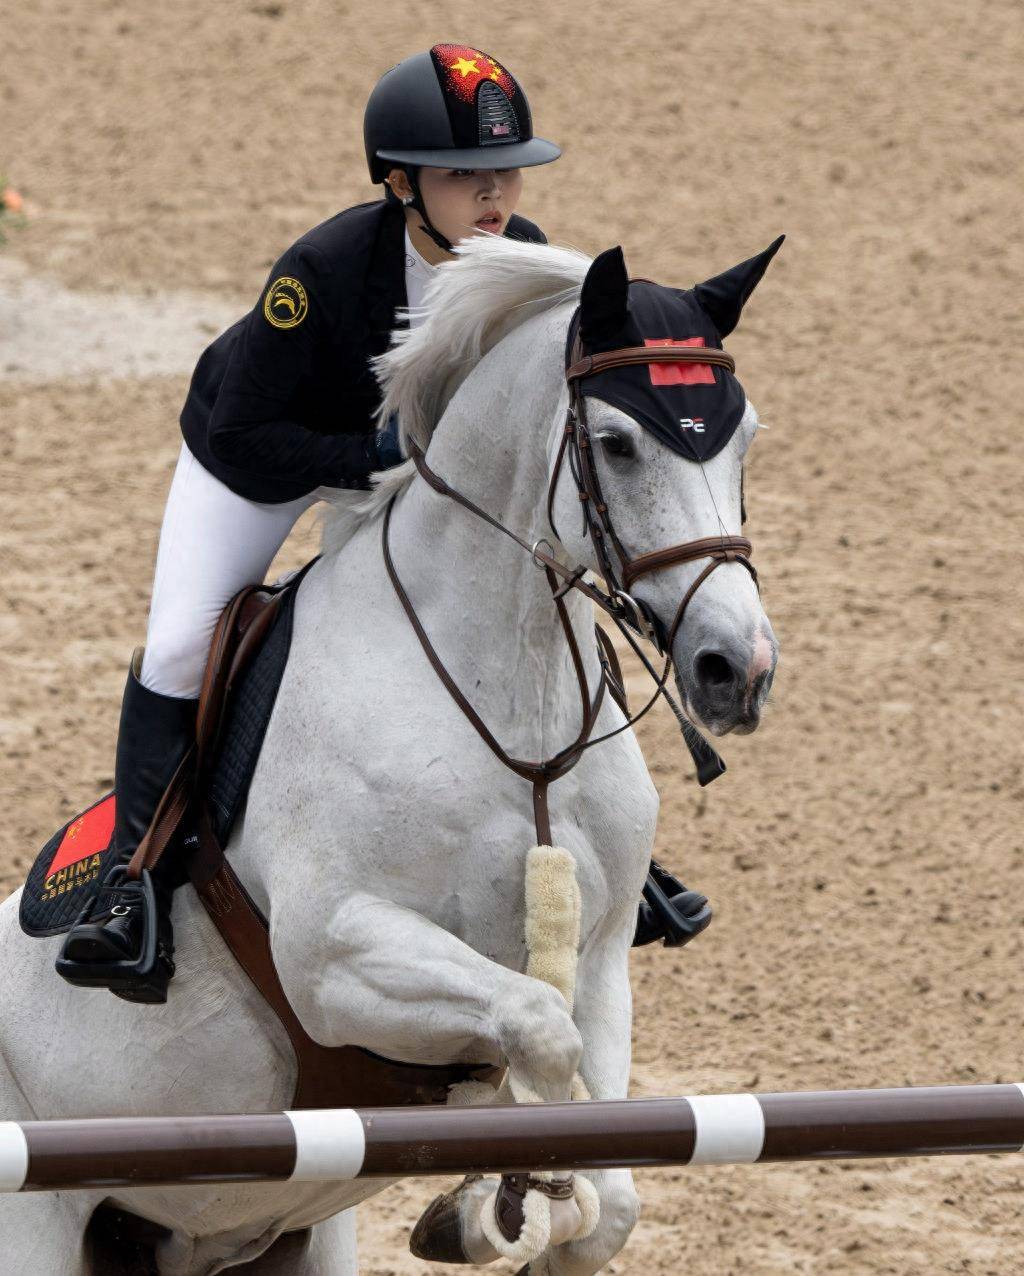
(577,443)
(628,613)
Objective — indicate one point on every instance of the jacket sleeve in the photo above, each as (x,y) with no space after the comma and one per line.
(251,426)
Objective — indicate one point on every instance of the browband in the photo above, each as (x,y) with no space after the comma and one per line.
(591,364)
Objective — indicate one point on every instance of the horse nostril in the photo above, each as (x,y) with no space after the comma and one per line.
(713,671)
(761,685)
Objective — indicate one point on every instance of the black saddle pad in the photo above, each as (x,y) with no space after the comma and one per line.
(69,869)
(246,716)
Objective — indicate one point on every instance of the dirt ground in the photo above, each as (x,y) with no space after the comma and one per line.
(865,851)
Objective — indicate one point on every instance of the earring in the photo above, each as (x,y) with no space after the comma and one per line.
(407,199)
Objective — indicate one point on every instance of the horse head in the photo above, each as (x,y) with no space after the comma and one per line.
(655,460)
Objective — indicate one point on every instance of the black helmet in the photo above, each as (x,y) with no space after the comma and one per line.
(451,107)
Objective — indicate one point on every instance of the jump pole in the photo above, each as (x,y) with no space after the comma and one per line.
(349,1143)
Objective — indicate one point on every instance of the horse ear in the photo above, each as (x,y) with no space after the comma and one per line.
(604,298)
(724,297)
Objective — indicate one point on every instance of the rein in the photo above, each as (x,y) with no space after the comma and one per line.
(540,774)
(625,611)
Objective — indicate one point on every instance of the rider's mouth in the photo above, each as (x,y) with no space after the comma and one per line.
(491,222)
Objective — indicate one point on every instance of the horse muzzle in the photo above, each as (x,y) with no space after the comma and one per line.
(726,680)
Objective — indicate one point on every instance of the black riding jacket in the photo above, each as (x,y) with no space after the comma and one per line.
(282,402)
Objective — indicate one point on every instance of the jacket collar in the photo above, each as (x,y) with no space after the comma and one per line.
(385,277)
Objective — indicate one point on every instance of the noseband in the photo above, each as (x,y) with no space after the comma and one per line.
(629,614)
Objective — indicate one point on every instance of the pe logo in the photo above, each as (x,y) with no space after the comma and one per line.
(285,304)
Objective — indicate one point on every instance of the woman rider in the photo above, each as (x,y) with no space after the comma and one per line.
(282,404)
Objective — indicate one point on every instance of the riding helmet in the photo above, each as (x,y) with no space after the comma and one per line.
(450,107)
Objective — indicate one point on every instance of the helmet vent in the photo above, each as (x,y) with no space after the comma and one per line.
(497,119)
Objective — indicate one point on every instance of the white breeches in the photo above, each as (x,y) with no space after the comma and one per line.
(212,542)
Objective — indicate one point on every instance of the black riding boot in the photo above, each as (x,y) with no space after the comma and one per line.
(124,942)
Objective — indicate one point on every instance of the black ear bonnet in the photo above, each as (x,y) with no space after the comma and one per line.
(693,408)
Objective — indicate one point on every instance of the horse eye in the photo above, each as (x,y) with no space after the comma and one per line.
(617,444)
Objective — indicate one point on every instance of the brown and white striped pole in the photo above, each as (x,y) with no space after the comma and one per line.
(345,1143)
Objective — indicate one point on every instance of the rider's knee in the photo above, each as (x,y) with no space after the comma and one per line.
(174,661)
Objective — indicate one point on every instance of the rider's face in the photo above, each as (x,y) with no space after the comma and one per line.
(463,202)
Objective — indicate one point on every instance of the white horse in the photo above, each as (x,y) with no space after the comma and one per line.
(384,841)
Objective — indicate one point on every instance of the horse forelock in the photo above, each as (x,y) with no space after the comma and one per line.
(493,285)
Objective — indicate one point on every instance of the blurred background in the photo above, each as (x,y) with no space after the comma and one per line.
(864,852)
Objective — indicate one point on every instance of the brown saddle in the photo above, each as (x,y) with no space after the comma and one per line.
(328,1076)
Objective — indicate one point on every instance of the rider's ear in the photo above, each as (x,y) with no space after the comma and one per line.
(604,298)
(724,297)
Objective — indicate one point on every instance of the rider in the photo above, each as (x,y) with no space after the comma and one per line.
(282,404)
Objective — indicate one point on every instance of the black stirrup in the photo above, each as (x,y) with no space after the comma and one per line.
(669,911)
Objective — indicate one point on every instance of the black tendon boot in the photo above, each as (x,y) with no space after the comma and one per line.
(124,940)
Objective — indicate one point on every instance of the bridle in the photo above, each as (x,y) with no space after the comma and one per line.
(578,445)
(631,616)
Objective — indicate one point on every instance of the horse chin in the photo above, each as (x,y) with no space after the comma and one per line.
(743,719)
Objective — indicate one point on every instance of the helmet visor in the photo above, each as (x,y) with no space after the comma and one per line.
(505,155)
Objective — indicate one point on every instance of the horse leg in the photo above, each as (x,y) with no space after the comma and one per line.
(447,1004)
(429,997)
(45,1231)
(603,1013)
(450,1229)
(327,1249)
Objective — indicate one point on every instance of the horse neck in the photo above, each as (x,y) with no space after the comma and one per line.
(485,605)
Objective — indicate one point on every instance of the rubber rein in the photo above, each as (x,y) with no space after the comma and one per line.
(625,611)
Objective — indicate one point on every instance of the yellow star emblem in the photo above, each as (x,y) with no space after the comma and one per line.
(466,66)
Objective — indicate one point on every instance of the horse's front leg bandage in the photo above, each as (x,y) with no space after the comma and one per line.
(530,1212)
(553,918)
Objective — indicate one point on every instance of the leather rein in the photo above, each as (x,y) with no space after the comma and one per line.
(628,614)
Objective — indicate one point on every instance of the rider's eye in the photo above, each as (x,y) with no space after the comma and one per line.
(617,444)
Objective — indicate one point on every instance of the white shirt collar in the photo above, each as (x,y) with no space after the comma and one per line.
(413,259)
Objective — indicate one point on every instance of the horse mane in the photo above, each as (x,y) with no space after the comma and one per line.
(493,285)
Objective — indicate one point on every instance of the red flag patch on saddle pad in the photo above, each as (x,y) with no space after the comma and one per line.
(68,871)
(87,835)
(679,373)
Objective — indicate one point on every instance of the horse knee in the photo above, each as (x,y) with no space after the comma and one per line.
(537,1036)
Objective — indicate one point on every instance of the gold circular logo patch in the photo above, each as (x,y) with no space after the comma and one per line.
(285,304)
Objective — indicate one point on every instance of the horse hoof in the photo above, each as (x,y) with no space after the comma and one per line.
(439,1236)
